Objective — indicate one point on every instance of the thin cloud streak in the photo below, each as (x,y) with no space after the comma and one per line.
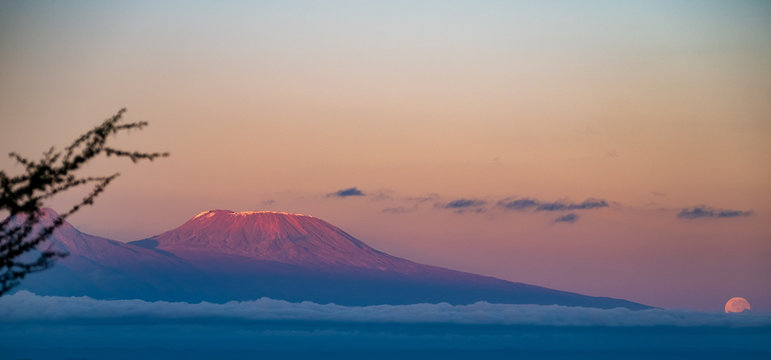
(398,210)
(464,203)
(530,203)
(518,204)
(709,212)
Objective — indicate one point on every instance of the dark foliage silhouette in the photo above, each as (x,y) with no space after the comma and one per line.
(23,196)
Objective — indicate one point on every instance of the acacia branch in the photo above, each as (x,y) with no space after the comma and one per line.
(23,232)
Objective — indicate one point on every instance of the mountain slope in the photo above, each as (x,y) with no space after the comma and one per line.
(97,266)
(221,255)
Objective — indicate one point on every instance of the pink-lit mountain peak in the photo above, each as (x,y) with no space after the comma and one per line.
(264,222)
(276,236)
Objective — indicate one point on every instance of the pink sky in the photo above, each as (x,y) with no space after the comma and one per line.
(653,107)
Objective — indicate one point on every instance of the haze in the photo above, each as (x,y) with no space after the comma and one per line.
(442,115)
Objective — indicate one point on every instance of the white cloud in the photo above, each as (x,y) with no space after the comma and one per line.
(25,306)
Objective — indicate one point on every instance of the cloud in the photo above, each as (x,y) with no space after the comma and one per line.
(709,212)
(589,204)
(402,205)
(568,218)
(346,193)
(425,198)
(518,204)
(464,203)
(529,203)
(398,210)
(381,195)
(561,205)
(552,206)
(27,307)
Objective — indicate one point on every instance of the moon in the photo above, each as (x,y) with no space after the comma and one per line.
(737,305)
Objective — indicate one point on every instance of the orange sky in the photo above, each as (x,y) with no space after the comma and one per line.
(653,107)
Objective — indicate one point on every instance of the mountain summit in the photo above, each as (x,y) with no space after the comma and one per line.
(221,255)
(275,236)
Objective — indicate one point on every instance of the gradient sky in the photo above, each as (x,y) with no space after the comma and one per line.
(653,107)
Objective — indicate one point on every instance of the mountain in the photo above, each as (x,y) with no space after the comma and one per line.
(95,266)
(275,236)
(221,255)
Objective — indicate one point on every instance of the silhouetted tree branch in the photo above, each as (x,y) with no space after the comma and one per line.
(23,197)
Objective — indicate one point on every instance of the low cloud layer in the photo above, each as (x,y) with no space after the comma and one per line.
(708,212)
(27,307)
(346,193)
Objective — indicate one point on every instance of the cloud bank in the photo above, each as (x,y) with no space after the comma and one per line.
(24,306)
(708,212)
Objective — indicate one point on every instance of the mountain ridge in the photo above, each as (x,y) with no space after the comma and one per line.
(221,255)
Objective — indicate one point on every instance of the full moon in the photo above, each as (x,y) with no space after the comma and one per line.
(737,305)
